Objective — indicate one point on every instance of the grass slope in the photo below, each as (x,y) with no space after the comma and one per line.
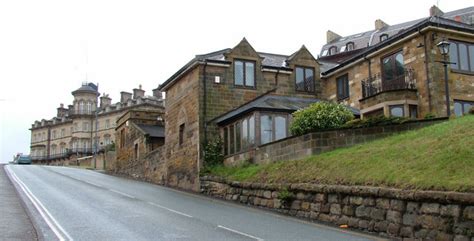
(438,157)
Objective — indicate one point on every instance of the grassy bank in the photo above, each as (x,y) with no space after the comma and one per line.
(438,157)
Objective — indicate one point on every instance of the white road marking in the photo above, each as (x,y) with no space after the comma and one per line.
(121,193)
(171,210)
(45,214)
(93,184)
(241,233)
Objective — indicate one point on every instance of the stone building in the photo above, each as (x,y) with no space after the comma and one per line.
(395,70)
(70,135)
(139,132)
(241,95)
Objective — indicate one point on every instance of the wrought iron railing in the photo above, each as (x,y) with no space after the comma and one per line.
(377,84)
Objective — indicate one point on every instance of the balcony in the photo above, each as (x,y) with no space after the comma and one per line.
(80,151)
(73,112)
(58,156)
(376,84)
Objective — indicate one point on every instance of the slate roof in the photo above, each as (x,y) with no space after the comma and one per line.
(152,130)
(272,103)
(89,87)
(372,37)
(270,60)
(431,21)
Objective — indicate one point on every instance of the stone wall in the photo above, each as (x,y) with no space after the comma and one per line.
(317,142)
(396,213)
(151,168)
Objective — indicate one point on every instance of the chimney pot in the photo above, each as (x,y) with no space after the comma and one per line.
(379,24)
(435,11)
(331,36)
(125,96)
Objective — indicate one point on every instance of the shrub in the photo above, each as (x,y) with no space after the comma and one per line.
(430,115)
(320,116)
(213,152)
(375,121)
(286,197)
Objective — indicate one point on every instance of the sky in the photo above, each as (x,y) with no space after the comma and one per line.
(48,48)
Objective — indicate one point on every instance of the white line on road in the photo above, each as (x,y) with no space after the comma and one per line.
(241,233)
(93,184)
(45,214)
(171,210)
(121,193)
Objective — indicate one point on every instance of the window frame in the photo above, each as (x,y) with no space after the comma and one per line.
(462,102)
(181,129)
(470,65)
(392,55)
(244,73)
(345,87)
(383,37)
(332,50)
(273,134)
(350,44)
(304,82)
(390,107)
(237,141)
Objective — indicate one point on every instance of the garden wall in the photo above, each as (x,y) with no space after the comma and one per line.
(296,147)
(396,213)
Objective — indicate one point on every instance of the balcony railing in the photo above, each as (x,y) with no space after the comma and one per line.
(80,151)
(38,158)
(81,112)
(376,84)
(57,156)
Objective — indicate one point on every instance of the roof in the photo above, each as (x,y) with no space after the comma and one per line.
(272,103)
(270,60)
(372,37)
(87,87)
(431,21)
(152,130)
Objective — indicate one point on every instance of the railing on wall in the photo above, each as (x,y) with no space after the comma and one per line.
(377,84)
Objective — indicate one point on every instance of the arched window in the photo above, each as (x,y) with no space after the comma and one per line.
(383,37)
(350,46)
(332,50)
(81,106)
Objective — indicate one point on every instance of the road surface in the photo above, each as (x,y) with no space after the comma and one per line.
(75,204)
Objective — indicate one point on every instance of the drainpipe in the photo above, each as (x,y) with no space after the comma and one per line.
(276,78)
(204,111)
(427,70)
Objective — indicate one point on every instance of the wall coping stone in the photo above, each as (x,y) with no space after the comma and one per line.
(444,197)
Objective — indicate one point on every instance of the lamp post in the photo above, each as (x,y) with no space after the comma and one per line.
(443,47)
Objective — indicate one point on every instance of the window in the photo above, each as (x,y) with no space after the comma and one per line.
(383,37)
(107,124)
(393,68)
(413,111)
(350,46)
(397,111)
(304,78)
(462,107)
(63,132)
(272,128)
(239,136)
(266,129)
(333,50)
(81,107)
(85,126)
(244,73)
(122,137)
(54,135)
(181,134)
(462,54)
(343,87)
(89,107)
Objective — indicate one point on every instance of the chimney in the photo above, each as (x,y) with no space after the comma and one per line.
(105,101)
(138,92)
(379,24)
(125,96)
(61,111)
(331,36)
(435,11)
(157,93)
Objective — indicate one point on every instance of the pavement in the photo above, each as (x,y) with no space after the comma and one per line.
(15,223)
(78,204)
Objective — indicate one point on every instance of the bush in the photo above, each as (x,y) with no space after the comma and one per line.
(213,152)
(320,116)
(375,121)
(286,197)
(430,116)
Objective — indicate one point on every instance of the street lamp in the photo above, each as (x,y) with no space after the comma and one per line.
(443,47)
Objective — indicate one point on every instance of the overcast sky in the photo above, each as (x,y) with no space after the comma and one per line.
(47,48)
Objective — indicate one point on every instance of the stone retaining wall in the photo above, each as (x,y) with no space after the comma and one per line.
(296,147)
(395,213)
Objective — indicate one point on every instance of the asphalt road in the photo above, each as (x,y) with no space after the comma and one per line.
(75,204)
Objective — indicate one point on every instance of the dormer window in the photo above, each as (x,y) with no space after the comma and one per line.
(325,53)
(350,46)
(333,50)
(304,79)
(244,73)
(383,37)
